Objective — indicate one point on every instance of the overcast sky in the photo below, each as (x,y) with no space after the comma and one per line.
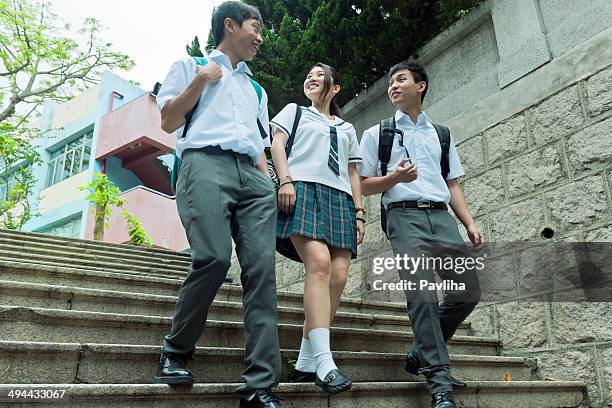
(152,33)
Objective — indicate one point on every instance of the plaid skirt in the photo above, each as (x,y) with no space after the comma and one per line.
(322,213)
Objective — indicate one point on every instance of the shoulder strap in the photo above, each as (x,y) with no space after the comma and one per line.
(199,61)
(444,138)
(258,89)
(386,135)
(296,120)
(259,92)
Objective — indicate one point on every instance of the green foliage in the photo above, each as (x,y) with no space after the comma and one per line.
(40,60)
(138,236)
(193,49)
(17,156)
(104,195)
(361,38)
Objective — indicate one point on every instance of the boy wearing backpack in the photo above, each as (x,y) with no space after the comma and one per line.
(223,192)
(415,165)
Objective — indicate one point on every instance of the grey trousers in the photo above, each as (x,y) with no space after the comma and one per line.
(221,195)
(433,233)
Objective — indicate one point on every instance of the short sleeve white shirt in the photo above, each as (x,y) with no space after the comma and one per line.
(308,159)
(424,149)
(227,113)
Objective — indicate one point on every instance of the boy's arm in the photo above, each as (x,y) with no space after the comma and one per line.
(378,185)
(461,210)
(174,111)
(262,165)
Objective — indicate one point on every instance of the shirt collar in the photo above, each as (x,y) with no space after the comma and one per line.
(421,119)
(337,121)
(221,58)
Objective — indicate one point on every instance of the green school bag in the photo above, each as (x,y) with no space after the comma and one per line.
(176,167)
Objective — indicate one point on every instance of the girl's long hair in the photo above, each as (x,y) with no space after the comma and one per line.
(331,77)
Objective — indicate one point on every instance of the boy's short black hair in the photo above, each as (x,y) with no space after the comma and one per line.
(237,11)
(417,70)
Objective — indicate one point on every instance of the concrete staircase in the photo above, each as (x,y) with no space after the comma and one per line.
(89,318)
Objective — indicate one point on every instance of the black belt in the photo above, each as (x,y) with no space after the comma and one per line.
(420,204)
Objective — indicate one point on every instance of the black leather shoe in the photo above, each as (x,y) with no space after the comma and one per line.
(173,370)
(442,400)
(262,399)
(303,377)
(334,382)
(412,366)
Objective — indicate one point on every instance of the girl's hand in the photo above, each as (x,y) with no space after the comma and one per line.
(286,198)
(360,231)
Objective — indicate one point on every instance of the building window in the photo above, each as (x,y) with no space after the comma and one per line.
(70,159)
(69,229)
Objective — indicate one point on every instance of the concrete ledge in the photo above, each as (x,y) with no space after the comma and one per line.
(107,301)
(90,243)
(10,270)
(482,394)
(70,326)
(129,364)
(51,247)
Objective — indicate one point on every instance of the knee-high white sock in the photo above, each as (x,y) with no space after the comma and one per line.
(319,340)
(305,361)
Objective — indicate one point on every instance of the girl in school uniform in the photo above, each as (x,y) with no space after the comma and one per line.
(320,211)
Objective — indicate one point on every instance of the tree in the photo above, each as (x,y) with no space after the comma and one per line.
(104,195)
(193,49)
(138,236)
(17,180)
(39,61)
(360,38)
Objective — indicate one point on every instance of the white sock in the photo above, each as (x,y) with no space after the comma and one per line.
(324,363)
(251,396)
(305,361)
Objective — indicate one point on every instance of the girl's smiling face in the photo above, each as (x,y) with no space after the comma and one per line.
(314,86)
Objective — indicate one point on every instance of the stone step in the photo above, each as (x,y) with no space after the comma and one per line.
(46,363)
(71,326)
(74,277)
(84,243)
(117,265)
(105,301)
(479,394)
(76,253)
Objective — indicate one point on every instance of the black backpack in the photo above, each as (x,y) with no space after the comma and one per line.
(385,145)
(284,246)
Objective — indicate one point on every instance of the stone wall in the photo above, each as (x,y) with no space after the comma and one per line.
(526,88)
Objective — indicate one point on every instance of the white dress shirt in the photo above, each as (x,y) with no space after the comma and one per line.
(228,110)
(310,152)
(424,149)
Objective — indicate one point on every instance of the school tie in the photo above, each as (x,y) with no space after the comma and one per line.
(332,162)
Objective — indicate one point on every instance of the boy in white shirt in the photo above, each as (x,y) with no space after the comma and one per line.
(419,224)
(224,192)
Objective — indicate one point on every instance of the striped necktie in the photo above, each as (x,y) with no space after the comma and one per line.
(332,162)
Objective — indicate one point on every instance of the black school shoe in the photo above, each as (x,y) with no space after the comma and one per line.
(334,382)
(173,370)
(412,366)
(303,377)
(262,399)
(442,400)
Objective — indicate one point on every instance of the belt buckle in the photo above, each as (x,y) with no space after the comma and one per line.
(423,204)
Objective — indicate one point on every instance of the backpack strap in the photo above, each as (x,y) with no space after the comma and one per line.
(199,61)
(386,135)
(259,92)
(296,120)
(444,138)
